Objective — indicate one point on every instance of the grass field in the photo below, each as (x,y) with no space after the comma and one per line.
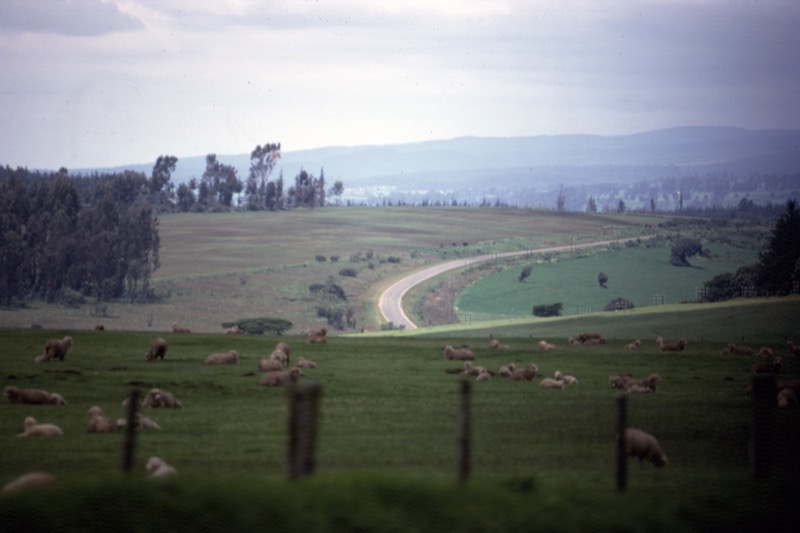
(387,448)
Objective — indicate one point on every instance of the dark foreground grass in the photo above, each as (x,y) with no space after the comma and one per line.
(387,449)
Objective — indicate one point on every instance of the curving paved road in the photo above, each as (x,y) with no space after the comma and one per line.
(390,302)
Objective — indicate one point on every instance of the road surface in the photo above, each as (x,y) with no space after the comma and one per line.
(390,302)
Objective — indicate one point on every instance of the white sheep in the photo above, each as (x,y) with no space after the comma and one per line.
(98,422)
(566,378)
(550,383)
(647,384)
(484,375)
(546,346)
(524,374)
(302,362)
(643,445)
(458,354)
(276,379)
(29,480)
(159,468)
(35,429)
(506,370)
(633,346)
(230,358)
(270,365)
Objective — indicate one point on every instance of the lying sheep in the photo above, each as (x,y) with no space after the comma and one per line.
(139,422)
(177,328)
(35,429)
(618,382)
(643,445)
(57,399)
(566,378)
(786,398)
(472,370)
(157,350)
(156,398)
(458,354)
(546,346)
(159,468)
(302,362)
(280,378)
(594,341)
(33,396)
(647,384)
(550,383)
(633,346)
(28,481)
(765,351)
(484,375)
(280,356)
(233,330)
(733,349)
(524,374)
(496,344)
(506,370)
(793,348)
(270,365)
(674,346)
(317,335)
(230,358)
(99,422)
(587,336)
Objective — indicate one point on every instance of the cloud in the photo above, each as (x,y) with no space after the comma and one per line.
(67,17)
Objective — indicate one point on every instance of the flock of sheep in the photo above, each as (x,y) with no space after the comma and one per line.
(274,369)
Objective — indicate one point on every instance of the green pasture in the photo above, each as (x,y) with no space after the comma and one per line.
(642,275)
(389,433)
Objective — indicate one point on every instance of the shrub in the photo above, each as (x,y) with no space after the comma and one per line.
(548,309)
(348,272)
(321,258)
(260,325)
(618,304)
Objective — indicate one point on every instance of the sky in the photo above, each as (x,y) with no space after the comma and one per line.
(101,83)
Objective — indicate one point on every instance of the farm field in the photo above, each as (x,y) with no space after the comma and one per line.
(228,266)
(640,274)
(389,430)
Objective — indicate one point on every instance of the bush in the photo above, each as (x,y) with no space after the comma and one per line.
(548,309)
(321,258)
(260,325)
(348,272)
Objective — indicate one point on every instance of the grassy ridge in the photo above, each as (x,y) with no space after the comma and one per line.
(389,430)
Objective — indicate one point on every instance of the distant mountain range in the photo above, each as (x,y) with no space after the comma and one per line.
(480,167)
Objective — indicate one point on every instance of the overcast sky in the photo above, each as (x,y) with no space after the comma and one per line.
(86,83)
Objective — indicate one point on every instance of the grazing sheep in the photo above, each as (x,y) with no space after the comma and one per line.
(99,422)
(279,356)
(765,351)
(32,396)
(566,378)
(28,481)
(177,328)
(55,349)
(674,346)
(458,354)
(156,398)
(280,378)
(550,383)
(233,330)
(270,365)
(35,429)
(302,362)
(230,358)
(472,370)
(157,350)
(317,335)
(647,384)
(506,370)
(643,445)
(159,468)
(546,346)
(524,374)
(768,367)
(733,349)
(793,348)
(633,346)
(496,344)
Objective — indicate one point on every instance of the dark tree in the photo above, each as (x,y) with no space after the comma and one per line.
(159,184)
(262,161)
(525,274)
(779,260)
(618,304)
(591,207)
(561,200)
(682,250)
(602,279)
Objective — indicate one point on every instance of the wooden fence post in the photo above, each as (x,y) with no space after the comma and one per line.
(303,421)
(129,444)
(762,440)
(465,437)
(620,423)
